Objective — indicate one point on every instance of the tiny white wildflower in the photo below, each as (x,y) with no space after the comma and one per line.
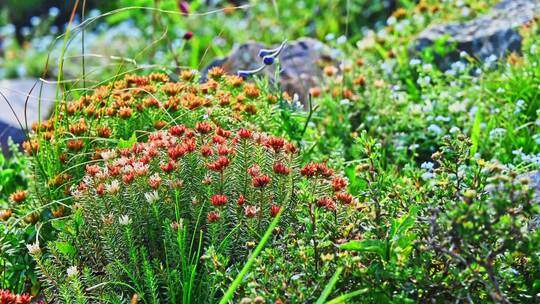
(113,187)
(427,175)
(124,220)
(454,129)
(33,248)
(108,154)
(151,197)
(414,146)
(433,128)
(341,39)
(427,166)
(497,132)
(428,67)
(72,271)
(415,61)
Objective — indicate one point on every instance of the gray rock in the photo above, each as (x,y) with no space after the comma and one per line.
(12,107)
(491,34)
(301,62)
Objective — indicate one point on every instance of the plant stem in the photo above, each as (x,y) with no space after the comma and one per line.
(229,294)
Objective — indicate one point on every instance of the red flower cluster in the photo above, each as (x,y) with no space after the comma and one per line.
(241,200)
(344,197)
(18,196)
(261,181)
(244,133)
(212,216)
(6,297)
(274,210)
(207,151)
(327,203)
(281,168)
(177,130)
(219,165)
(218,200)
(339,183)
(275,143)
(167,167)
(203,127)
(316,169)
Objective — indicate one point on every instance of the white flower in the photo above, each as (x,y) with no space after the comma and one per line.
(424,80)
(72,271)
(103,174)
(113,187)
(435,129)
(329,36)
(442,118)
(497,132)
(140,168)
(124,220)
(536,138)
(151,197)
(108,154)
(454,129)
(427,166)
(341,39)
(76,193)
(415,61)
(427,175)
(520,105)
(428,67)
(414,147)
(35,21)
(491,58)
(33,248)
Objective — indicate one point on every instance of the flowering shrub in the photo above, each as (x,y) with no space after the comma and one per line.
(115,114)
(184,186)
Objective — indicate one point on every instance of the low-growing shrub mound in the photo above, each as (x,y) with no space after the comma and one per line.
(145,214)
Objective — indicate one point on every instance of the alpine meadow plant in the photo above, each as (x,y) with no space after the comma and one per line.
(466,236)
(145,215)
(118,113)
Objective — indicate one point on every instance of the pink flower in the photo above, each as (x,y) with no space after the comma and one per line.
(183,6)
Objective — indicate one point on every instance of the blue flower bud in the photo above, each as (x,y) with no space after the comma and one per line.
(268,60)
(243,74)
(265,52)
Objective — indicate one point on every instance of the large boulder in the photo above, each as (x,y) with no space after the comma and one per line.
(492,34)
(12,107)
(301,63)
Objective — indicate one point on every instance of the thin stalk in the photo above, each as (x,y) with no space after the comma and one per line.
(329,287)
(229,294)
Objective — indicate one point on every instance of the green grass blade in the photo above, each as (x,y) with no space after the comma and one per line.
(475,132)
(330,286)
(343,298)
(238,280)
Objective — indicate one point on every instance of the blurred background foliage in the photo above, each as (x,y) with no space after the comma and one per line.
(152,31)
